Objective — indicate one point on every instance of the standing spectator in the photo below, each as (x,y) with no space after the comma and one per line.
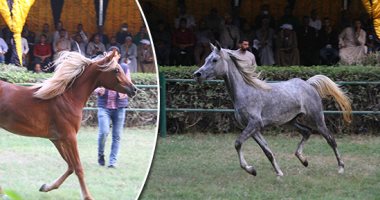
(328,38)
(103,37)
(45,31)
(62,43)
(123,33)
(182,14)
(214,22)
(78,44)
(183,44)
(7,36)
(289,18)
(146,57)
(81,33)
(42,54)
(162,43)
(95,47)
(352,44)
(129,54)
(230,34)
(57,34)
(287,53)
(308,43)
(264,13)
(25,50)
(247,31)
(265,35)
(315,22)
(202,48)
(111,108)
(3,50)
(142,34)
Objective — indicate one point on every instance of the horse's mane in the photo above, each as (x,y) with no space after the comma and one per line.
(248,72)
(68,67)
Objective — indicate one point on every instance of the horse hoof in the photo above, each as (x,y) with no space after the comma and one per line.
(251,170)
(43,188)
(305,163)
(341,170)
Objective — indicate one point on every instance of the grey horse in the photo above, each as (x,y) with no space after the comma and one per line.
(258,104)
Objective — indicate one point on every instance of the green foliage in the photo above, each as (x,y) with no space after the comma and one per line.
(214,95)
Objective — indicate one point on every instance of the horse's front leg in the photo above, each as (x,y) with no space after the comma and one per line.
(264,146)
(247,132)
(58,182)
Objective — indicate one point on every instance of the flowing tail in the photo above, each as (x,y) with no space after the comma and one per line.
(326,87)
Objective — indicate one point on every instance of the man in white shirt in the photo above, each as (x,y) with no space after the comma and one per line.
(244,55)
(3,50)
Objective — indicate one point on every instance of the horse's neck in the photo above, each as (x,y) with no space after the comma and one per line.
(84,85)
(235,84)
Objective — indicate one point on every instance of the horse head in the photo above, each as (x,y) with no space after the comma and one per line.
(215,64)
(113,76)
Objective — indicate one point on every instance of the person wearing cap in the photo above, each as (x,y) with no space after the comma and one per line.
(111,109)
(146,59)
(129,52)
(287,47)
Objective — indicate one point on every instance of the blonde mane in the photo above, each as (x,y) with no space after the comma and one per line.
(68,67)
(248,72)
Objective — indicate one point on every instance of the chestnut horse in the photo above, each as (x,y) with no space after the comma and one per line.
(53,109)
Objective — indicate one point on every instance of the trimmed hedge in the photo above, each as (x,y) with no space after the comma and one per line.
(214,95)
(146,98)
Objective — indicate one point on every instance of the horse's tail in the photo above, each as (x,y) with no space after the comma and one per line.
(326,87)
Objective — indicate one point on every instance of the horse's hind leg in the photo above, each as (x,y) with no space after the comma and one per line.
(247,132)
(264,146)
(56,183)
(322,129)
(305,132)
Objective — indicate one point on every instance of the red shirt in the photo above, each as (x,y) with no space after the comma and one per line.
(42,49)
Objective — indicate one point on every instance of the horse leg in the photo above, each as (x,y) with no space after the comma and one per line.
(322,129)
(264,146)
(305,131)
(238,145)
(73,157)
(55,184)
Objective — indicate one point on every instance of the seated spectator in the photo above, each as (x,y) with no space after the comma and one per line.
(3,50)
(328,39)
(103,37)
(287,53)
(352,44)
(202,48)
(25,50)
(123,33)
(113,43)
(229,34)
(265,36)
(95,47)
(78,44)
(56,34)
(372,43)
(307,43)
(183,44)
(162,43)
(42,54)
(315,22)
(62,43)
(142,34)
(129,52)
(146,58)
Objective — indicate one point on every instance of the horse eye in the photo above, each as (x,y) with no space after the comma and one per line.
(116,71)
(214,60)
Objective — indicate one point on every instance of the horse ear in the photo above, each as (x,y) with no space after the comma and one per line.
(218,45)
(212,46)
(108,58)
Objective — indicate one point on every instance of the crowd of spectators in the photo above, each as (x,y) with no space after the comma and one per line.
(284,41)
(39,49)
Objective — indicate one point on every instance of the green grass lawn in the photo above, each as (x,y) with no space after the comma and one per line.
(26,163)
(205,166)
